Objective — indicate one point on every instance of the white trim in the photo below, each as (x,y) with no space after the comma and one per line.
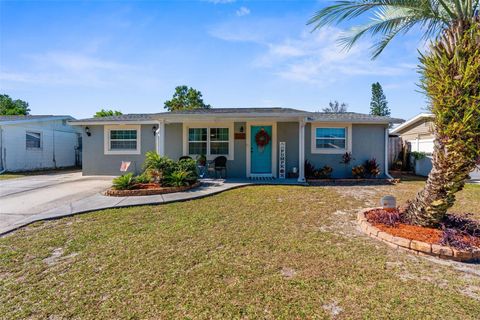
(103,123)
(208,126)
(411,121)
(160,138)
(301,151)
(106,139)
(41,140)
(249,147)
(313,144)
(386,154)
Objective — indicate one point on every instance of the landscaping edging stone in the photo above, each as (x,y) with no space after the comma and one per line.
(148,192)
(415,246)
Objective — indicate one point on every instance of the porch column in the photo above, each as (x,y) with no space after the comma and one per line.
(301,151)
(160,138)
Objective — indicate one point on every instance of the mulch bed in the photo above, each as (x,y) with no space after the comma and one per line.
(148,189)
(412,232)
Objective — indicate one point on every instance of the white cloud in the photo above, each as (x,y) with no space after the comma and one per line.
(243,11)
(310,57)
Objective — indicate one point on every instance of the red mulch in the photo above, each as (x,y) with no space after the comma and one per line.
(407,231)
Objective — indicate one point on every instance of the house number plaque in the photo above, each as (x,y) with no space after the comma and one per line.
(282,160)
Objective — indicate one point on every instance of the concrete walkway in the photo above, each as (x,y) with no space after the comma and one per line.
(18,209)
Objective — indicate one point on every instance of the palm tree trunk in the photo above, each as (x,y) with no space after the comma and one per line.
(451,78)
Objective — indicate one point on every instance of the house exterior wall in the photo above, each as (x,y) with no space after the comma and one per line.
(288,132)
(58,143)
(96,162)
(368,141)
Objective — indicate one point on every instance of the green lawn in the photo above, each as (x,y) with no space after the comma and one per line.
(6,176)
(256,252)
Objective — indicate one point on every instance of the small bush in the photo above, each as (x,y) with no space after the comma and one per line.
(323,173)
(309,169)
(143,178)
(418,155)
(124,182)
(372,168)
(178,178)
(358,172)
(188,165)
(347,158)
(389,218)
(157,166)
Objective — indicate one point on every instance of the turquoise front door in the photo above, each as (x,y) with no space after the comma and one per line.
(261,157)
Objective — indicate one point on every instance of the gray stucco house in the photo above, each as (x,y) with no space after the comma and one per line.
(293,137)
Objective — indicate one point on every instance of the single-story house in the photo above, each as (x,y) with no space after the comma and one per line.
(418,133)
(37,142)
(293,136)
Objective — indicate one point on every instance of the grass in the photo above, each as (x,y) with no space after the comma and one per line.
(7,176)
(256,252)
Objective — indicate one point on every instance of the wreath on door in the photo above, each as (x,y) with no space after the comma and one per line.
(262,138)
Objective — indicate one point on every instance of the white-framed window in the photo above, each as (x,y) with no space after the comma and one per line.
(212,140)
(331,139)
(33,140)
(122,139)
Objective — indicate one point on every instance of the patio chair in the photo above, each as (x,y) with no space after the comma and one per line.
(219,165)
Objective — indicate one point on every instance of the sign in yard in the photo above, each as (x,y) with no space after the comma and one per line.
(282,160)
(125,165)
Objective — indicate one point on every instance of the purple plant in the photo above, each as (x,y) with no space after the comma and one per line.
(389,218)
(456,239)
(372,168)
(347,158)
(309,169)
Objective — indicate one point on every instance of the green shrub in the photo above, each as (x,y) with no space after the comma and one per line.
(157,166)
(188,165)
(177,178)
(418,155)
(323,173)
(143,178)
(358,171)
(124,182)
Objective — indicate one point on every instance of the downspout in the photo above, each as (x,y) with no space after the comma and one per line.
(386,154)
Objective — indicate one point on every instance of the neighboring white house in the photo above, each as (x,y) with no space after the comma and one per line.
(418,133)
(36,142)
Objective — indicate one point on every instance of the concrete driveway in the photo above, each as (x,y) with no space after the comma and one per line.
(25,197)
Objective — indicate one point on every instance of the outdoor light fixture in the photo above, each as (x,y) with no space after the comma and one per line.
(241,129)
(154,130)
(87,131)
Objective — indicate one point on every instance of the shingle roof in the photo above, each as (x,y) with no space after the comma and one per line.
(123,117)
(237,110)
(31,117)
(248,112)
(351,116)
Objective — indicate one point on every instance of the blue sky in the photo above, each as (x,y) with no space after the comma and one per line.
(77,57)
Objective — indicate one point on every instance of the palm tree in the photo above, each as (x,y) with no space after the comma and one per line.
(450,78)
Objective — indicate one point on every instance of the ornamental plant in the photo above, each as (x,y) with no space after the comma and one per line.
(372,168)
(450,78)
(358,172)
(124,182)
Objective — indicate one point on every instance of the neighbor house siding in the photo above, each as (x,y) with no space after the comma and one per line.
(58,141)
(421,130)
(368,141)
(96,162)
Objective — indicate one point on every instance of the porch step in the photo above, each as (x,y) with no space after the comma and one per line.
(262,178)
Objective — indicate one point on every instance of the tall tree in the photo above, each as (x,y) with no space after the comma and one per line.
(336,107)
(450,78)
(186,98)
(10,107)
(379,103)
(107,113)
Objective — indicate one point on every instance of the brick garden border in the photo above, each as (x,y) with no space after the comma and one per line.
(148,192)
(415,246)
